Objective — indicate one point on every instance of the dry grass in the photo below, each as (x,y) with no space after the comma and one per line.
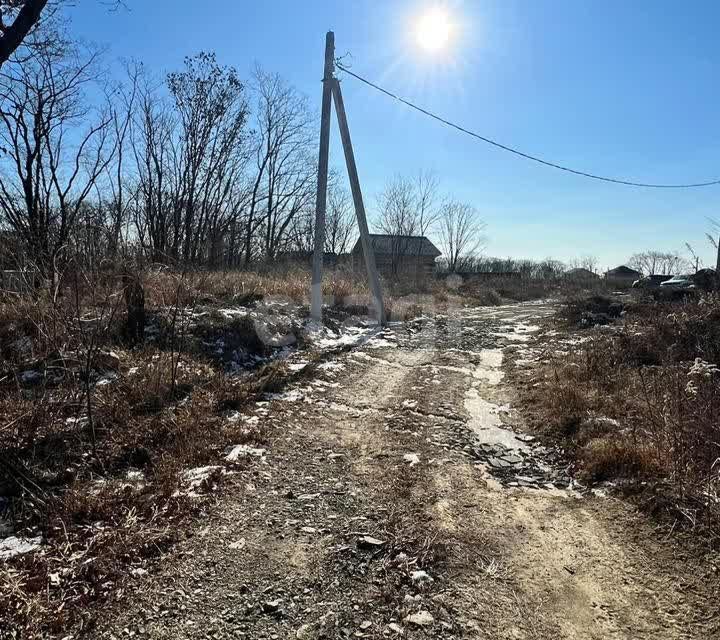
(641,403)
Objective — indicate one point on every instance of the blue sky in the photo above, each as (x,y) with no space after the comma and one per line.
(626,89)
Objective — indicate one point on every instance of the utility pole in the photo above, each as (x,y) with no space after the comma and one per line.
(321,197)
(331,92)
(368,251)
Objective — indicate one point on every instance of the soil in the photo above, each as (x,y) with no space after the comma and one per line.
(400,497)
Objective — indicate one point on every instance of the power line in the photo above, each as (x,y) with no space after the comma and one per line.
(517,152)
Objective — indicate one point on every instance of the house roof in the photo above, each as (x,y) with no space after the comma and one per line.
(407,245)
(581,272)
(622,270)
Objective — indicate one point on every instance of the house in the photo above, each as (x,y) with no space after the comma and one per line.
(580,274)
(398,256)
(622,276)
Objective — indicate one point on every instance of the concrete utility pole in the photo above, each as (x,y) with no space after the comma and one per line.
(321,197)
(368,251)
(331,90)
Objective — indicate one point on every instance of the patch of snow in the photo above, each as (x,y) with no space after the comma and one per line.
(331,366)
(106,379)
(244,451)
(195,477)
(14,546)
(294,395)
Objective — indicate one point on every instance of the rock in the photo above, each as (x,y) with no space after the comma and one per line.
(368,542)
(421,577)
(308,529)
(499,463)
(304,632)
(243,451)
(420,619)
(513,460)
(366,624)
(271,606)
(524,437)
(412,459)
(396,628)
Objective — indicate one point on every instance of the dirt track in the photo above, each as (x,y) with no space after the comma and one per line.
(409,440)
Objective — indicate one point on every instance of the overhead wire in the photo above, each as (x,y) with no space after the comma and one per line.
(517,152)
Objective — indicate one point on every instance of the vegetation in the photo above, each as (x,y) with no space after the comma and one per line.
(637,404)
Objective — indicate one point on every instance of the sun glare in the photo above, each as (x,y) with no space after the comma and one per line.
(433,30)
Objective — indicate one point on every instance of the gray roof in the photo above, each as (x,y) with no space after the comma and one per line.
(407,245)
(622,270)
(581,272)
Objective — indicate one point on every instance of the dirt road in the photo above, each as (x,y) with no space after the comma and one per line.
(398,495)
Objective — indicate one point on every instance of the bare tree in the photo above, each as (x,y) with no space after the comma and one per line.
(426,201)
(212,114)
(284,172)
(585,262)
(52,158)
(461,231)
(657,262)
(155,205)
(17,19)
(340,223)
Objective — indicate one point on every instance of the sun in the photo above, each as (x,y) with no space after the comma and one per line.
(433,30)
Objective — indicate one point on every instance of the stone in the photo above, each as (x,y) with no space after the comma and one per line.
(499,463)
(396,628)
(412,459)
(271,606)
(368,542)
(420,619)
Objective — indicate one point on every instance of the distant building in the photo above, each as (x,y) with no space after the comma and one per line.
(622,276)
(581,275)
(399,256)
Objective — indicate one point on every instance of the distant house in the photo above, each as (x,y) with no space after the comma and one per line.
(399,256)
(581,275)
(622,276)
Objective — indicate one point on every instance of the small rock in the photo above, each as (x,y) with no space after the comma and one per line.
(420,619)
(368,542)
(412,459)
(366,624)
(396,628)
(271,606)
(308,530)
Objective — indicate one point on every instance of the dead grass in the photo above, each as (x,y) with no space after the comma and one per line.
(640,403)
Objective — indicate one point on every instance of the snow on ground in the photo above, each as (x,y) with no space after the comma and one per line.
(15,546)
